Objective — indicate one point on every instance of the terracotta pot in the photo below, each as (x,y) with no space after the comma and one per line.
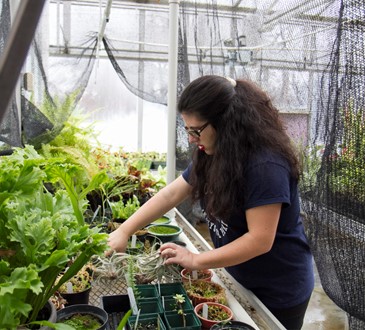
(213,319)
(203,274)
(201,291)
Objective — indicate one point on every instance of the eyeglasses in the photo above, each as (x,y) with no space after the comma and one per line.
(196,132)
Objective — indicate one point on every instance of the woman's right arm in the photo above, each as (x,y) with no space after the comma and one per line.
(166,199)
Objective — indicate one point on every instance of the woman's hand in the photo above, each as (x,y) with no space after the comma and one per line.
(176,254)
(117,241)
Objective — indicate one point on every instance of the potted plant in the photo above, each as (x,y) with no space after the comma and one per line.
(179,317)
(40,232)
(210,313)
(176,302)
(83,316)
(193,275)
(200,291)
(165,232)
(77,289)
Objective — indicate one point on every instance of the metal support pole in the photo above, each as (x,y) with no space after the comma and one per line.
(172,89)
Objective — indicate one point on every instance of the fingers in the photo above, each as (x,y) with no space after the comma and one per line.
(168,253)
(108,253)
(168,246)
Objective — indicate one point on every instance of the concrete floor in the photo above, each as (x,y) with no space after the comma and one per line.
(322,313)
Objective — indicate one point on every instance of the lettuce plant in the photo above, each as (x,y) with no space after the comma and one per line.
(42,234)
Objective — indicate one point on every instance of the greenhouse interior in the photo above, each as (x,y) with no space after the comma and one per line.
(89,132)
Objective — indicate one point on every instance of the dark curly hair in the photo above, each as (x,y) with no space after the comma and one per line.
(246,122)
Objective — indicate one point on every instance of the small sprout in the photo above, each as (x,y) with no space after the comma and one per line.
(179,300)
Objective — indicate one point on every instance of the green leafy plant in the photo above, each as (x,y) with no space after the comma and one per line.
(121,210)
(41,232)
(311,161)
(334,173)
(347,171)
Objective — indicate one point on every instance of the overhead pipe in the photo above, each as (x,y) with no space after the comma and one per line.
(103,26)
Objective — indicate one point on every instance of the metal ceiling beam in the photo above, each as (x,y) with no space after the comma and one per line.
(16,49)
(292,12)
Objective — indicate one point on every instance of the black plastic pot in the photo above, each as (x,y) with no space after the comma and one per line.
(74,298)
(232,325)
(48,312)
(67,312)
(116,306)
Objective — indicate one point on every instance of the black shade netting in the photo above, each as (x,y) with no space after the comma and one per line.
(334,188)
(50,86)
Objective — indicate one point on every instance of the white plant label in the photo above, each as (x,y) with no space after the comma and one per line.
(134,241)
(194,274)
(69,287)
(132,300)
(205,311)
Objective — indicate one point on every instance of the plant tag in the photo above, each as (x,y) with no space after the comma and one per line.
(194,274)
(205,311)
(69,287)
(95,214)
(163,301)
(134,241)
(132,300)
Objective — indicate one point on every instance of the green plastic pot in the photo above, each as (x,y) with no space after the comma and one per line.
(162,221)
(166,233)
(170,303)
(147,319)
(174,321)
(170,289)
(150,306)
(146,291)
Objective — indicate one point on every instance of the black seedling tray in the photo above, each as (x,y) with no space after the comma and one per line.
(116,306)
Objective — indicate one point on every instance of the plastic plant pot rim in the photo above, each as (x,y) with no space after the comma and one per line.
(177,228)
(164,220)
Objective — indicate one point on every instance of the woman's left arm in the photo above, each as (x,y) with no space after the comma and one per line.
(262,224)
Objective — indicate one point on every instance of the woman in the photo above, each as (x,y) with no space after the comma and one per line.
(244,172)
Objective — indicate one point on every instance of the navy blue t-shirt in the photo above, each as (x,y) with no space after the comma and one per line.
(282,277)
